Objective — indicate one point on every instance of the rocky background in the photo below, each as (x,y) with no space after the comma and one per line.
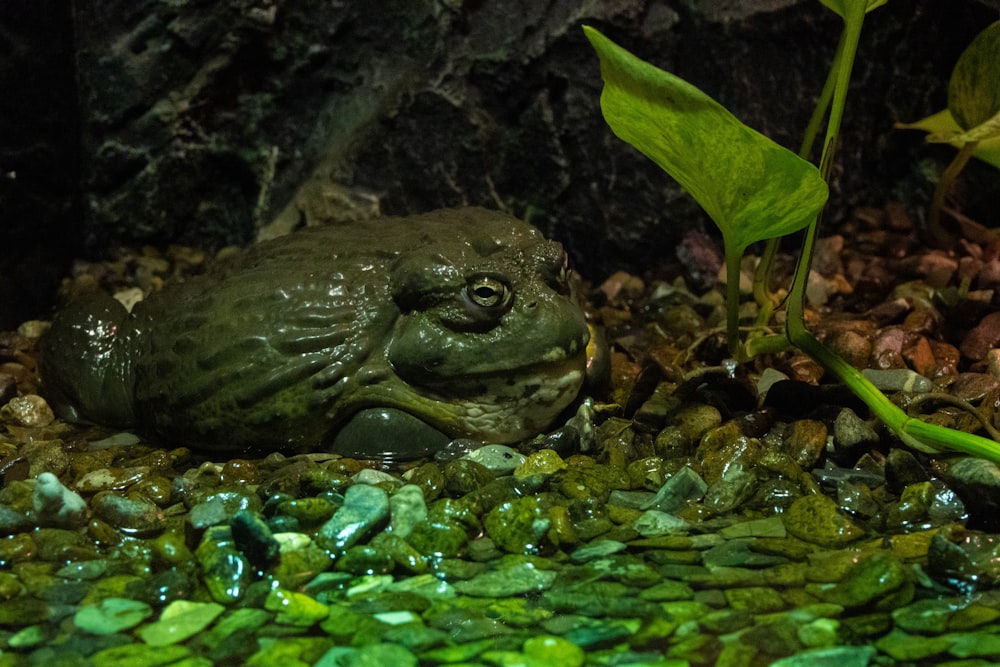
(215,123)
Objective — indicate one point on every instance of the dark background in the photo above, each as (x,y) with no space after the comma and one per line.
(131,122)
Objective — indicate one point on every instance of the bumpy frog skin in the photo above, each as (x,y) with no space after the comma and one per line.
(456,323)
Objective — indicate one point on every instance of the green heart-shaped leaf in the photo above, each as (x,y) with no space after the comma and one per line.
(974,88)
(752,188)
(942,128)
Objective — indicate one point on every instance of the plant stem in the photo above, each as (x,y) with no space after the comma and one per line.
(938,234)
(733,303)
(823,102)
(912,431)
(766,301)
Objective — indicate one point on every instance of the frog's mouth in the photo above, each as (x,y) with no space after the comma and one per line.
(499,407)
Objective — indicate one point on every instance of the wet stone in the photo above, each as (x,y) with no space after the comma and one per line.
(112,615)
(363,559)
(856,499)
(296,609)
(464,476)
(58,545)
(879,580)
(308,512)
(696,420)
(724,448)
(654,523)
(12,521)
(225,571)
(252,536)
(519,526)
(429,478)
(903,469)
(364,511)
(551,650)
(978,483)
(596,481)
(982,338)
(804,441)
(498,459)
(817,519)
(438,538)
(30,410)
(907,647)
(851,434)
(973,386)
(400,552)
(139,655)
(132,517)
(407,508)
(179,621)
(960,557)
(509,579)
(731,490)
(544,462)
(683,487)
(596,549)
(111,479)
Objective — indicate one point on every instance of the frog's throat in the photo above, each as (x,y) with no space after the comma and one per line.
(497,408)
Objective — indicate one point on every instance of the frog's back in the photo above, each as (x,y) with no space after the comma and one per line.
(279,346)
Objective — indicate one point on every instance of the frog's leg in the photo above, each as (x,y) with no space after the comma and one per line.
(387,433)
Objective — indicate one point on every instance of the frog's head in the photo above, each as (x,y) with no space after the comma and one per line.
(489,329)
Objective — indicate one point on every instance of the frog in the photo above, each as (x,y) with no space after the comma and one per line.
(400,332)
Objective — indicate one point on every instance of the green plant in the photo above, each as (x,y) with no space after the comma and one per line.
(754,189)
(971,122)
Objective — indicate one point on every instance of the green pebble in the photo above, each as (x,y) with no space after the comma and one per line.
(180,620)
(226,572)
(400,551)
(362,559)
(112,615)
(139,655)
(755,599)
(544,461)
(33,635)
(457,653)
(554,651)
(818,520)
(879,579)
(23,611)
(290,652)
(381,655)
(507,581)
(666,591)
(295,608)
(346,626)
(513,659)
(309,511)
(437,538)
(835,656)
(975,644)
(519,526)
(906,647)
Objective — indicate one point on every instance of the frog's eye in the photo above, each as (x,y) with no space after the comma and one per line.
(488,292)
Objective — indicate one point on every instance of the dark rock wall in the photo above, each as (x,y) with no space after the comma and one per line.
(212,123)
(40,225)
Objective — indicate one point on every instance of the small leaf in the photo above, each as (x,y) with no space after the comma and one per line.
(844,7)
(974,88)
(752,188)
(943,128)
